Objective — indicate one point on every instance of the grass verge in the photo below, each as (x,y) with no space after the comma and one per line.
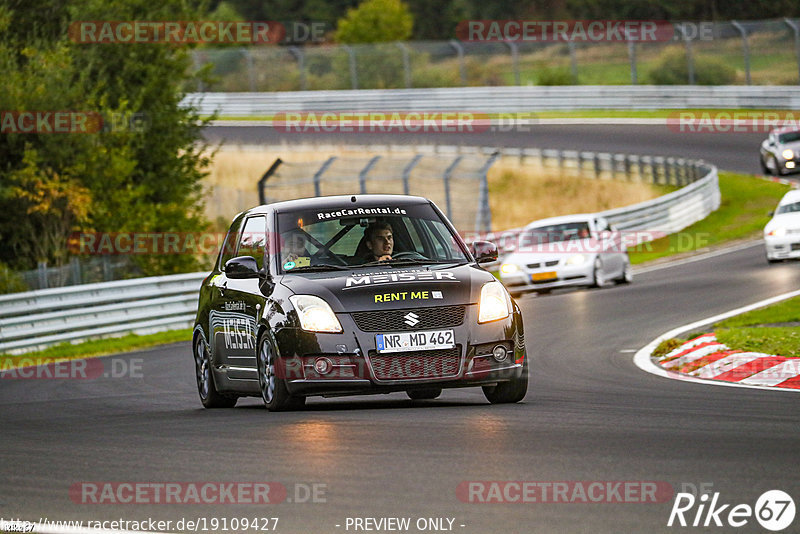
(771,330)
(93,348)
(742,214)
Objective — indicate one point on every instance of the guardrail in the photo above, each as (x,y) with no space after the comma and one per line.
(667,214)
(36,319)
(513,99)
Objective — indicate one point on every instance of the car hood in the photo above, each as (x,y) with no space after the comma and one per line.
(787,220)
(542,254)
(794,146)
(389,288)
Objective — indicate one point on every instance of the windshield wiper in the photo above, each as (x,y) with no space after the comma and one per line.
(407,261)
(320,267)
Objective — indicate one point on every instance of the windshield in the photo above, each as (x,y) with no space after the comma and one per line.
(789,208)
(789,137)
(350,237)
(555,233)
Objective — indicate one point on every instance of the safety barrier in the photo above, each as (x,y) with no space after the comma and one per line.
(36,319)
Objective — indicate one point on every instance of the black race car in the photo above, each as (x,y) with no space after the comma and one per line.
(354,295)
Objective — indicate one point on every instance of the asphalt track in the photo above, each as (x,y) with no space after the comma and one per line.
(590,415)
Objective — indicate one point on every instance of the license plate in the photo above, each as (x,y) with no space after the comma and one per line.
(541,277)
(411,341)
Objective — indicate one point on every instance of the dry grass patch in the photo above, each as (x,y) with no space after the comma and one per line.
(518,193)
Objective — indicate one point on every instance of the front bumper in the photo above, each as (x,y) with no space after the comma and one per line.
(784,247)
(565,276)
(357,368)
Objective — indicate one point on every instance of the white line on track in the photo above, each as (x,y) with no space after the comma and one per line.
(643,361)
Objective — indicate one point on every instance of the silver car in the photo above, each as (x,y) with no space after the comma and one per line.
(780,152)
(571,250)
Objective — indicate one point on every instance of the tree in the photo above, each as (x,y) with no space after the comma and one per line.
(143,177)
(375,21)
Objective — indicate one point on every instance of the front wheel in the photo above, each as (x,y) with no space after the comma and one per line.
(209,395)
(627,273)
(273,388)
(598,276)
(764,168)
(511,391)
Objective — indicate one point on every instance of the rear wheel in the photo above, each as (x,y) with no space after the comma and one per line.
(424,394)
(273,388)
(511,391)
(209,395)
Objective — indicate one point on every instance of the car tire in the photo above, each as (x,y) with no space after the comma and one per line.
(206,387)
(511,391)
(598,279)
(764,168)
(273,389)
(424,394)
(627,274)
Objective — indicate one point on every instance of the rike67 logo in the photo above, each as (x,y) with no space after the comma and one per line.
(774,510)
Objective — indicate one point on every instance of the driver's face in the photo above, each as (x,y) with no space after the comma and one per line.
(382,243)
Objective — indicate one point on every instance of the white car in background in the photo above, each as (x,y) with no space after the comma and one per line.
(782,233)
(571,250)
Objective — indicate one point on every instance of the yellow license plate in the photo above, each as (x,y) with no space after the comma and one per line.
(541,277)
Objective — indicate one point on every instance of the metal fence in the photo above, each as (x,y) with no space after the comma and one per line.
(454,178)
(37,319)
(79,271)
(520,99)
(751,52)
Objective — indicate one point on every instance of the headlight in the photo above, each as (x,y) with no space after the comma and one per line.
(577,259)
(787,154)
(509,268)
(777,232)
(315,315)
(494,304)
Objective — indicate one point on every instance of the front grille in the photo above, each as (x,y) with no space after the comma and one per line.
(551,263)
(396,320)
(412,365)
(534,265)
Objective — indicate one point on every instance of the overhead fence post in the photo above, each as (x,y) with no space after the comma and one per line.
(251,71)
(573,61)
(689,55)
(514,60)
(796,30)
(406,64)
(362,176)
(407,173)
(632,58)
(319,173)
(448,172)
(745,50)
(483,219)
(353,67)
(262,183)
(462,68)
(298,54)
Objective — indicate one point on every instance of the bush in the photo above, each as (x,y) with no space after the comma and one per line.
(554,76)
(11,282)
(672,68)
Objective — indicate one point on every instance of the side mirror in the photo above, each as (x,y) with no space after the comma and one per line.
(771,213)
(241,267)
(484,251)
